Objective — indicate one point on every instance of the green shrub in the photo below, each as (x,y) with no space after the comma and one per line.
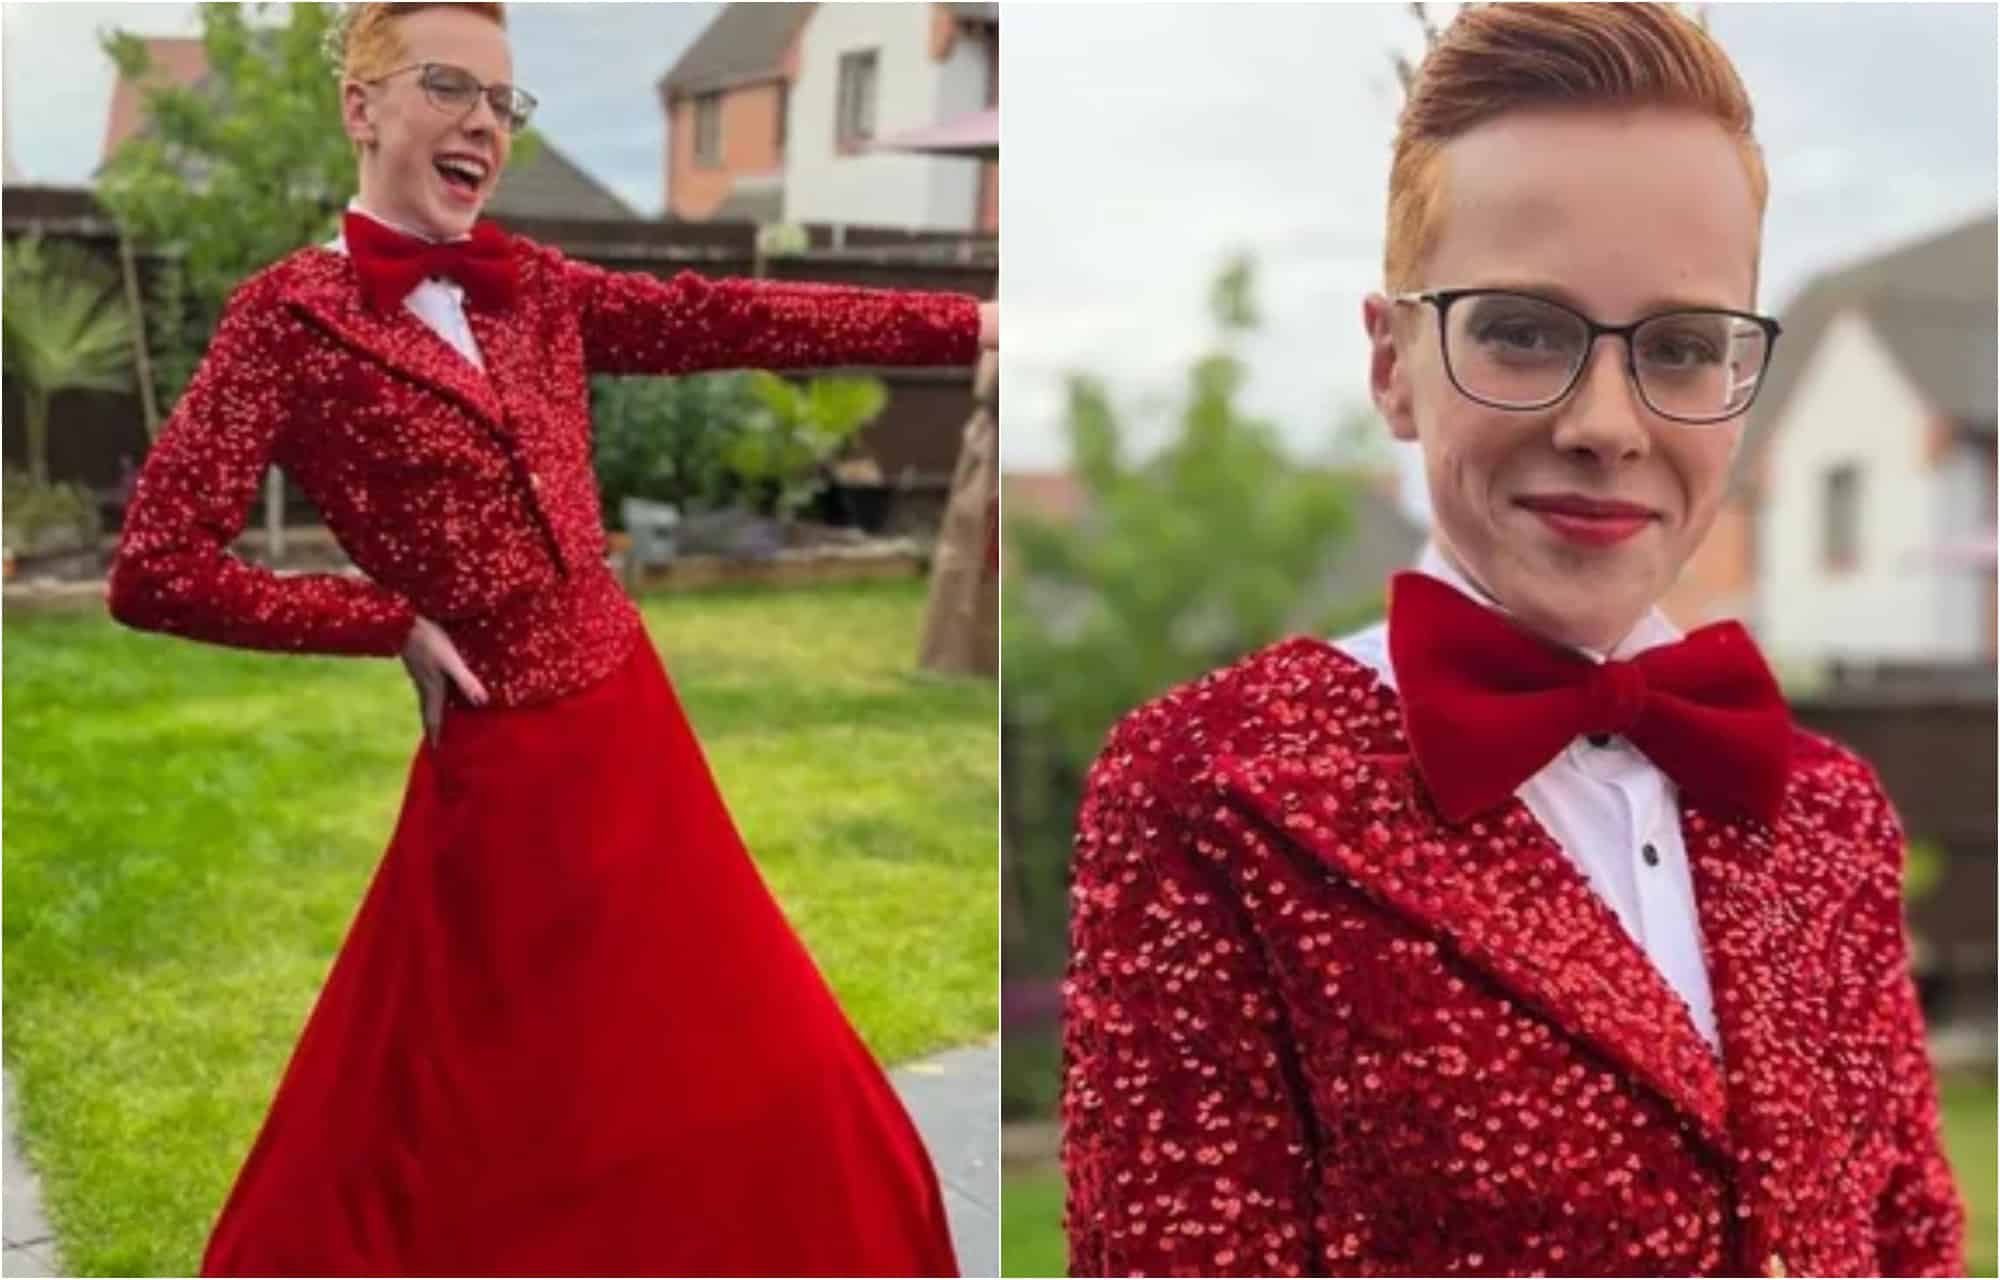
(43,517)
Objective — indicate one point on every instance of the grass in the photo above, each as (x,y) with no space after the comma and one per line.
(190,830)
(1032,1201)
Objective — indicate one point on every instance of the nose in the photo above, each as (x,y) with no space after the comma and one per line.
(482,119)
(1603,417)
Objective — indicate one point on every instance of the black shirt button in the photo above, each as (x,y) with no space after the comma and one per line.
(1651,855)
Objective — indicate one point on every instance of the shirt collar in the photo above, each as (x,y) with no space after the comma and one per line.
(1649,632)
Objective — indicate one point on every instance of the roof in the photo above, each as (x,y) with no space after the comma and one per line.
(1932,303)
(176,60)
(553,186)
(549,186)
(746,42)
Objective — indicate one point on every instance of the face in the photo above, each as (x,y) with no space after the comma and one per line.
(422,166)
(1576,518)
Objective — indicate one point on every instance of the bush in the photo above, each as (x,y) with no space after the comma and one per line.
(667,439)
(42,518)
(749,440)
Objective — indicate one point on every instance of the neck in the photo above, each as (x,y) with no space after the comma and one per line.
(1440,561)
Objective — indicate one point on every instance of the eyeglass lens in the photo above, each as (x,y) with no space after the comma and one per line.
(1518,351)
(454,89)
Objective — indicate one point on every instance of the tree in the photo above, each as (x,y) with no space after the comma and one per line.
(1183,562)
(235,172)
(65,329)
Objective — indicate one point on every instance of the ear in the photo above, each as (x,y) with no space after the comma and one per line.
(354,112)
(1388,368)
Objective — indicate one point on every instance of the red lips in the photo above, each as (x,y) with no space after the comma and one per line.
(1593,522)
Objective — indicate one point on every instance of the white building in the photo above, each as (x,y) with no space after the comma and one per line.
(1876,510)
(871,71)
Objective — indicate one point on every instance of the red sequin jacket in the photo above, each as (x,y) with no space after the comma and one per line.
(1311,1029)
(465,497)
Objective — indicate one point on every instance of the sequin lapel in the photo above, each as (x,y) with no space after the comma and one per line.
(1501,893)
(331,299)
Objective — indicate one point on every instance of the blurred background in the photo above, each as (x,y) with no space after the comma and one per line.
(1191,468)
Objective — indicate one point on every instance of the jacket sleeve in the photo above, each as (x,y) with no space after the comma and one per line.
(1185,1150)
(1920,1218)
(635,323)
(173,571)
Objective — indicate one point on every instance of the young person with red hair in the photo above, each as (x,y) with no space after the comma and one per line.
(570,1032)
(1520,934)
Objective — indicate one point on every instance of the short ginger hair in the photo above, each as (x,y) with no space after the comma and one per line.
(1496,58)
(372,47)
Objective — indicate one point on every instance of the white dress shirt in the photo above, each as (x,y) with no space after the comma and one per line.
(439,303)
(1610,810)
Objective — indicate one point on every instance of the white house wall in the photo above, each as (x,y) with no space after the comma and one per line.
(1852,404)
(913,90)
(1957,516)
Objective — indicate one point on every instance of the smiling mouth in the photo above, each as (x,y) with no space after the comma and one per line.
(461,175)
(1591,522)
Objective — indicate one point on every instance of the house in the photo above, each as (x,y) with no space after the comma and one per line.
(547,184)
(1859,529)
(726,101)
(779,112)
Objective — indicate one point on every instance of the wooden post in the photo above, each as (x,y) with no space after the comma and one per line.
(142,355)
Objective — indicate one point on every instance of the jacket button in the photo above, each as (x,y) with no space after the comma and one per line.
(1774,1266)
(535,479)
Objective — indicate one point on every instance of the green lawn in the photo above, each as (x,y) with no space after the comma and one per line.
(1032,1202)
(189,831)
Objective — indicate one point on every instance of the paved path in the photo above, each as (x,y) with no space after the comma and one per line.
(30,1249)
(955,1100)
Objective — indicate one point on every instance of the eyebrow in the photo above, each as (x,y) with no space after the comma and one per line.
(1652,307)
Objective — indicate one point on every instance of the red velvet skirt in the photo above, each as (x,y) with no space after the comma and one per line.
(571,1033)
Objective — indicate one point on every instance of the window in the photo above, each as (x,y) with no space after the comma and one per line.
(1842,513)
(708,131)
(855,119)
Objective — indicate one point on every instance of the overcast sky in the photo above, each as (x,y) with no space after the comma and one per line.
(1145,142)
(593,66)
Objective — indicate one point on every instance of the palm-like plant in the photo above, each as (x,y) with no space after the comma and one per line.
(64,328)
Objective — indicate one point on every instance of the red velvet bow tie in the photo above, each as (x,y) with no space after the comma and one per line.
(1486,705)
(391,263)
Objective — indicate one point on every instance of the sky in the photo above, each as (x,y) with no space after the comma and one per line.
(593,66)
(1267,128)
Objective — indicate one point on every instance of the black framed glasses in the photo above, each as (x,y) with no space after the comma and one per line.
(1511,350)
(454,90)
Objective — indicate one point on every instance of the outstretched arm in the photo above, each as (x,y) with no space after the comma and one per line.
(173,571)
(635,323)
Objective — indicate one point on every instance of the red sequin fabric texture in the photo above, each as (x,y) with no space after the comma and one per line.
(465,497)
(1313,1029)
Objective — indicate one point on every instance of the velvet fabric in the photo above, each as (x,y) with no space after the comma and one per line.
(571,1033)
(390,263)
(1486,704)
(1314,1027)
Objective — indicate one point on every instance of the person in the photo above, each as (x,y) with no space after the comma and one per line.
(1519,934)
(569,1031)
